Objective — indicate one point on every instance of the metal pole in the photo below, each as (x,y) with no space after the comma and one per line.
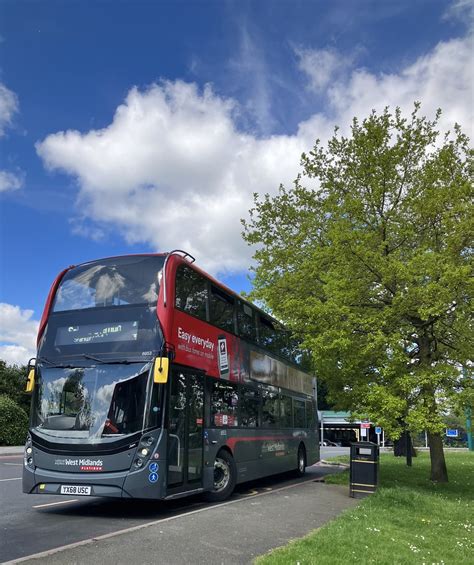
(468,414)
(383,437)
(322,428)
(426,439)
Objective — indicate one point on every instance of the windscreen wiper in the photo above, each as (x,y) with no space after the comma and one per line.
(106,361)
(55,365)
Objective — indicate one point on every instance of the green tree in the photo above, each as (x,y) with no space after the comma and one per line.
(13,383)
(371,264)
(13,422)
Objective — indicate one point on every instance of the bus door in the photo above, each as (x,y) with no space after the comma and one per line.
(185,430)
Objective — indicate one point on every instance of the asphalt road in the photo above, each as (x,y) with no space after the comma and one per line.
(328,452)
(30,524)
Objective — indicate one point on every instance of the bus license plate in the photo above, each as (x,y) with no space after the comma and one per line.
(75,490)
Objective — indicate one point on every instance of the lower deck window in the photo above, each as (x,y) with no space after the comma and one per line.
(249,403)
(224,403)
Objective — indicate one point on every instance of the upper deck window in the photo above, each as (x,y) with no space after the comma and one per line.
(246,322)
(222,309)
(191,292)
(117,281)
(268,335)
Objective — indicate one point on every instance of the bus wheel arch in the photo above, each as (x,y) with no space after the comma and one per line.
(225,476)
(301,460)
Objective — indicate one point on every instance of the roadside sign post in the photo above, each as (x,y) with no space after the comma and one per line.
(322,429)
(378,431)
(364,427)
(468,413)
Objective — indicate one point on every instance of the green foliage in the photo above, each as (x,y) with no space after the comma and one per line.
(13,422)
(13,383)
(372,266)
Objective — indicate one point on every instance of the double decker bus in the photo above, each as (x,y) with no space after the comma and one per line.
(153,380)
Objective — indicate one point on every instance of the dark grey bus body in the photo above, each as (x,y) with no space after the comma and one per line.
(255,457)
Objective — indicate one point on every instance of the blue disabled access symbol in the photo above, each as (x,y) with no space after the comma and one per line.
(153,467)
(153,477)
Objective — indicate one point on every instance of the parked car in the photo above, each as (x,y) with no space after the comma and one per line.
(328,443)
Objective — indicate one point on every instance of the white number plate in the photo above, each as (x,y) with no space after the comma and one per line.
(75,490)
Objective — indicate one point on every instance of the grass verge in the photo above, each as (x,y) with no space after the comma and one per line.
(408,520)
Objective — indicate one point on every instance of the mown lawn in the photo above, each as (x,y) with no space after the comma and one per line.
(408,520)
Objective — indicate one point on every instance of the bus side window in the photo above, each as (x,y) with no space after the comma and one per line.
(310,421)
(246,322)
(286,416)
(224,404)
(191,292)
(267,333)
(248,407)
(270,408)
(222,309)
(299,413)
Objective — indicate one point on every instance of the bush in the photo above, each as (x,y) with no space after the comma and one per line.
(13,422)
(12,384)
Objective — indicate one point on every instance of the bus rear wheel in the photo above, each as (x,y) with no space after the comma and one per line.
(225,477)
(301,461)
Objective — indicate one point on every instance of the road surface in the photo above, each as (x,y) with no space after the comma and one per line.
(30,524)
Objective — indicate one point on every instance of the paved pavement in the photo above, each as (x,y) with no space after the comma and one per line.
(11,450)
(260,515)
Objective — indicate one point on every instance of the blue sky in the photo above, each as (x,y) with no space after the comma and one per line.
(143,126)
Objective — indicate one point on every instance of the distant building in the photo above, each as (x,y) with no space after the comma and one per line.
(339,428)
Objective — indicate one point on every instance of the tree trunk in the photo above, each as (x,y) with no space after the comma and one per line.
(400,446)
(409,448)
(439,472)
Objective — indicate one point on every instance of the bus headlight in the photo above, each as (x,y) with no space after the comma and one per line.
(138,463)
(28,455)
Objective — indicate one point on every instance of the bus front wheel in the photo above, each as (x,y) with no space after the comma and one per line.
(301,461)
(225,477)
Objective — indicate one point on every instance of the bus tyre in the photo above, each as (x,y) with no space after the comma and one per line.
(301,461)
(225,477)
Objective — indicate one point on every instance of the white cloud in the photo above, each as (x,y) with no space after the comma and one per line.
(461,10)
(442,79)
(10,181)
(173,169)
(322,66)
(8,107)
(17,334)
(251,74)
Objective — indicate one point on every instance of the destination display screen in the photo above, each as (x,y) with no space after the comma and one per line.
(96,333)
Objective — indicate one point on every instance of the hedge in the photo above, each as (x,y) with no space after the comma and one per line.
(13,422)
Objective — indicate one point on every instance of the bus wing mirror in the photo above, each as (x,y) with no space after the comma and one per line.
(30,380)
(160,370)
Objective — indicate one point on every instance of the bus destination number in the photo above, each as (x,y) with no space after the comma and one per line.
(76,490)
